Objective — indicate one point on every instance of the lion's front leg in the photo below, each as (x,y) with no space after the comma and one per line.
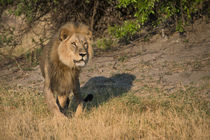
(79,109)
(79,99)
(50,99)
(63,102)
(51,102)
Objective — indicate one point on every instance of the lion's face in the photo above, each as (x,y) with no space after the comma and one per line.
(75,50)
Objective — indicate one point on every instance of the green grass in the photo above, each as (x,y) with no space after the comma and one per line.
(183,114)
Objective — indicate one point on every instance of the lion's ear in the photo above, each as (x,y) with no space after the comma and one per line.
(89,34)
(64,33)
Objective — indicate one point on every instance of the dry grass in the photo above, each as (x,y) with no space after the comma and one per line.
(181,115)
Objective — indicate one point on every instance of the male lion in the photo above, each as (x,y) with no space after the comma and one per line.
(61,62)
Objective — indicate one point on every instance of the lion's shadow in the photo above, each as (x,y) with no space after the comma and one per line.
(104,88)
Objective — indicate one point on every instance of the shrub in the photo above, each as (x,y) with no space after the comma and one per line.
(156,12)
(104,44)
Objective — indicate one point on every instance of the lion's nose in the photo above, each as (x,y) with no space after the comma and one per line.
(82,54)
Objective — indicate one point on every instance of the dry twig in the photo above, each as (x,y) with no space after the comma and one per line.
(96,3)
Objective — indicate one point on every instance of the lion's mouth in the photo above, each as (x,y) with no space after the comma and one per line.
(79,63)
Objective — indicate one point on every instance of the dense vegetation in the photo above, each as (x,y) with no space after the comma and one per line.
(125,17)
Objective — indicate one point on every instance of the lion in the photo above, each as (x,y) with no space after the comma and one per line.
(61,62)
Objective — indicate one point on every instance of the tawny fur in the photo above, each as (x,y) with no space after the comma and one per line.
(61,62)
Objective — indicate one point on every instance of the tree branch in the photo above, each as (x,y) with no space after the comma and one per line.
(96,3)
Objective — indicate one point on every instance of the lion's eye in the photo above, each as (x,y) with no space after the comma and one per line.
(74,44)
(85,45)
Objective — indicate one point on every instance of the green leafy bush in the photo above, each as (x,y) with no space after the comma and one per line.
(156,12)
(104,44)
(126,30)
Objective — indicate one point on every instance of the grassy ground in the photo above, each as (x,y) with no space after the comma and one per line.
(180,115)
